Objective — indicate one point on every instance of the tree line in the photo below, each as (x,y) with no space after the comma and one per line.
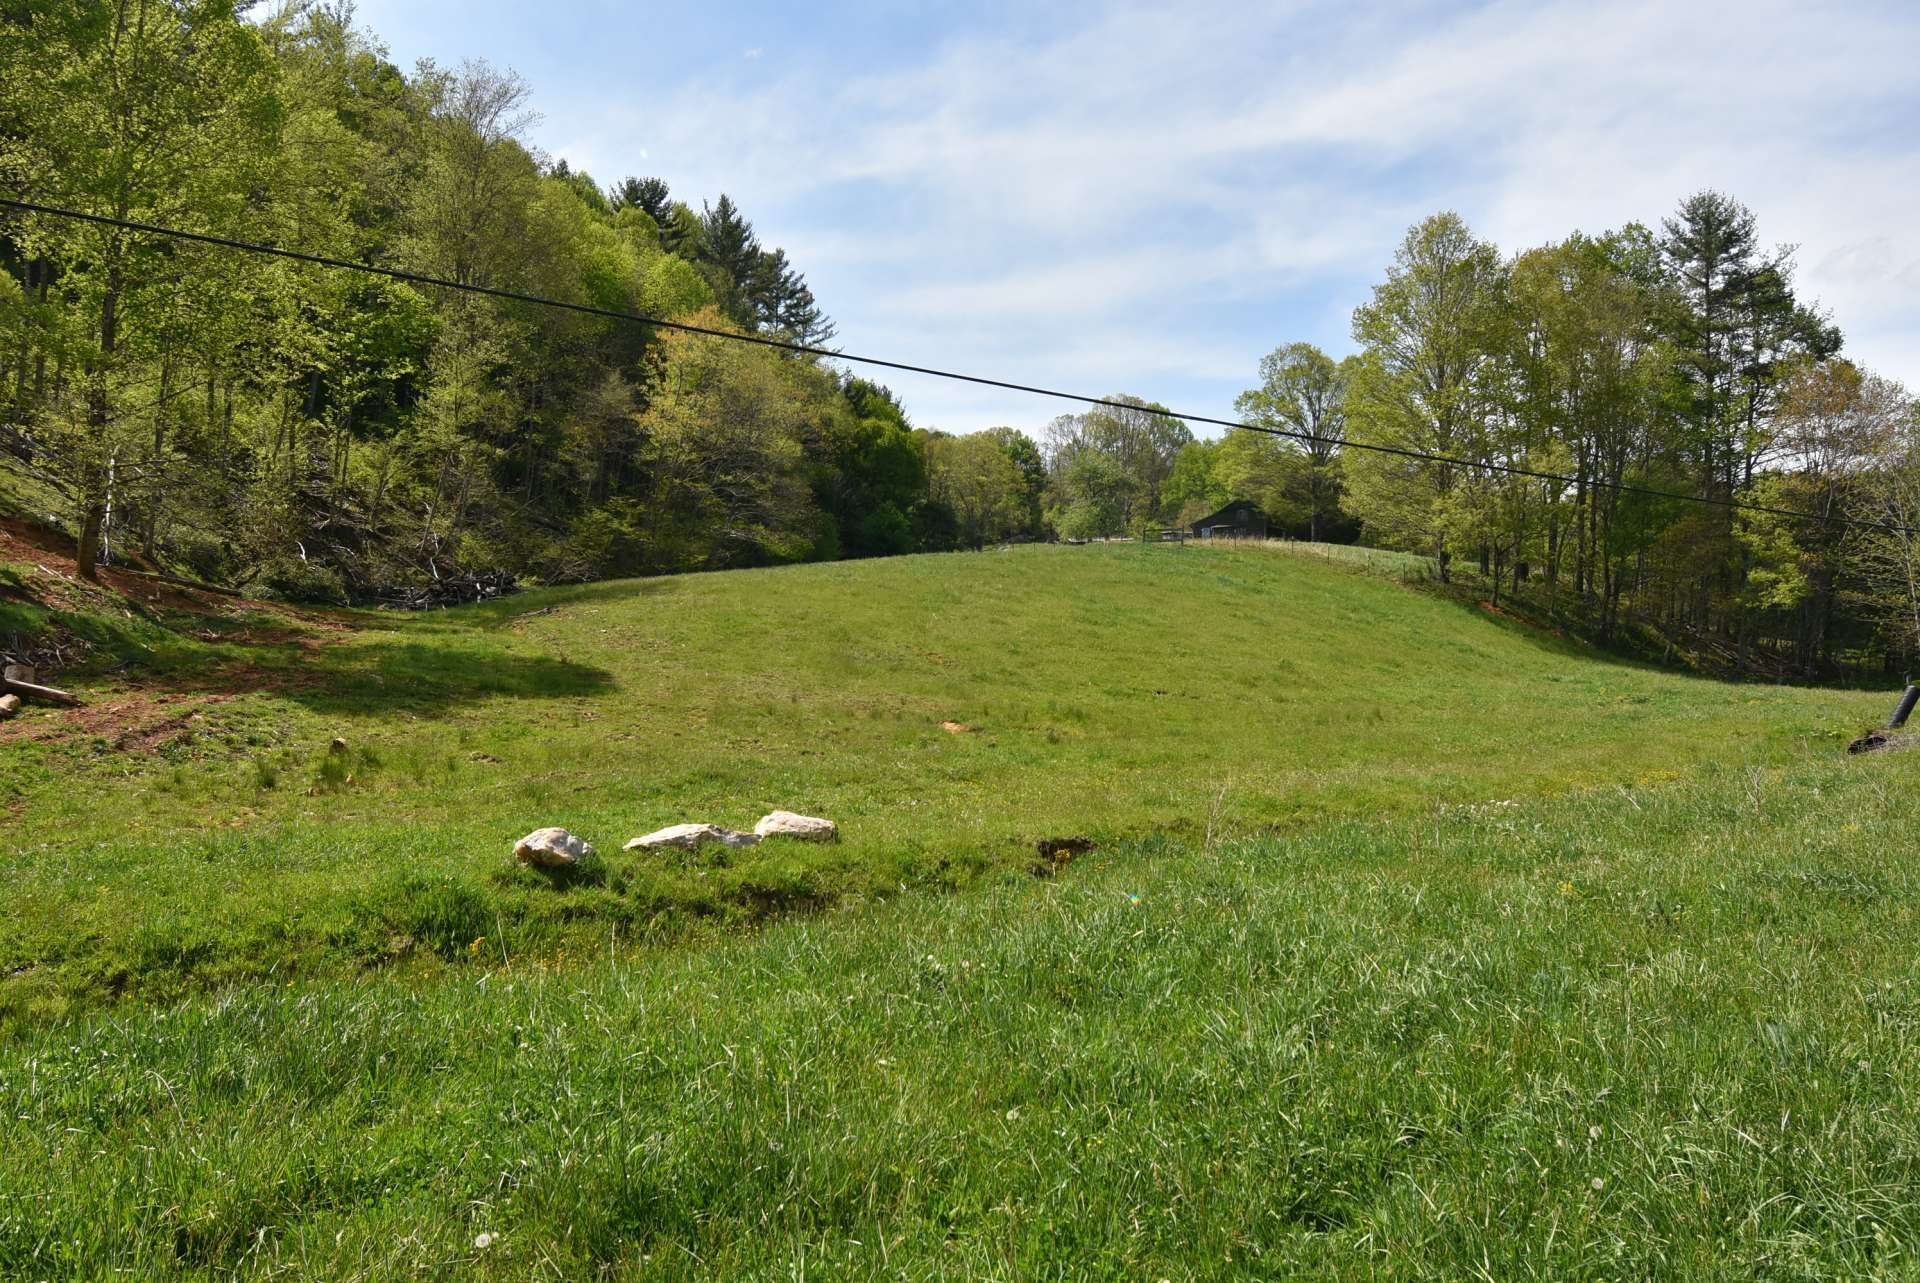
(327,435)
(1674,381)
(1644,432)
(1639,365)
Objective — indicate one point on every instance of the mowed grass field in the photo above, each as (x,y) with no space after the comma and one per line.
(1417,944)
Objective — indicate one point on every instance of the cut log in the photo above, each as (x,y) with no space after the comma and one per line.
(47,693)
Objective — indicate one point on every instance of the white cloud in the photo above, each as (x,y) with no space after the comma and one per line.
(1151,199)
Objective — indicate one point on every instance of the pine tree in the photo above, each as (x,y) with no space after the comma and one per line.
(730,242)
(648,195)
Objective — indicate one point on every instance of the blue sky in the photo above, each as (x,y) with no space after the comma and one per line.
(1145,198)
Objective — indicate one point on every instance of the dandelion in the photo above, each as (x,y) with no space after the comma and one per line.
(477,942)
(1593,1132)
(483,1241)
(1598,1182)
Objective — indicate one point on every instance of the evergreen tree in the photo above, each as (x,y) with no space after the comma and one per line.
(648,195)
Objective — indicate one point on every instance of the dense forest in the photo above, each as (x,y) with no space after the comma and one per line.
(329,435)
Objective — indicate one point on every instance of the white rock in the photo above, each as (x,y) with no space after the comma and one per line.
(689,837)
(552,848)
(9,705)
(785,824)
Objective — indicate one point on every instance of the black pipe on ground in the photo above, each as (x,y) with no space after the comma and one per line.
(1907,701)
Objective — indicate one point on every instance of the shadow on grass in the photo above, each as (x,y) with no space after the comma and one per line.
(1568,635)
(380,677)
(383,677)
(93,641)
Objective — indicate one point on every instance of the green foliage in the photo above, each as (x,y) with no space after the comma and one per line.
(1097,495)
(1681,362)
(1109,466)
(1024,452)
(1425,382)
(1194,489)
(978,481)
(871,472)
(307,582)
(243,416)
(724,429)
(1303,391)
(885,532)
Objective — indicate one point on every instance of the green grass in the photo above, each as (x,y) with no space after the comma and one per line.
(1118,691)
(1418,944)
(1661,1032)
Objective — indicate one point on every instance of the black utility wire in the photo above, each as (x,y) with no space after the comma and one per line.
(416,278)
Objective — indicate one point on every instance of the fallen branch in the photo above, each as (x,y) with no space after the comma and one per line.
(33,690)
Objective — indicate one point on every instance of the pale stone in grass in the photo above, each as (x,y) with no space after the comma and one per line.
(9,705)
(689,837)
(785,824)
(551,848)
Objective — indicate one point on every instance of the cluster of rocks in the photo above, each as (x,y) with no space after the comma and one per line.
(554,848)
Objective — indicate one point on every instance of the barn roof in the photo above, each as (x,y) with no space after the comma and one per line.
(1237,506)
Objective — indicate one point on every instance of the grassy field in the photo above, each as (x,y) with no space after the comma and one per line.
(195,828)
(1418,944)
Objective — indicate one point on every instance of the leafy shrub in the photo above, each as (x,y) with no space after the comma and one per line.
(306,582)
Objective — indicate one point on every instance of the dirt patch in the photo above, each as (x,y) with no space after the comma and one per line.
(137,721)
(958,728)
(58,582)
(1057,853)
(154,713)
(1884,741)
(147,711)
(53,580)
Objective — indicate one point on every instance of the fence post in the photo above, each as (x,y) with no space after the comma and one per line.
(1908,699)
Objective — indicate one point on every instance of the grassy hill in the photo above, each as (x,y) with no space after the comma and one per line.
(1416,943)
(193,825)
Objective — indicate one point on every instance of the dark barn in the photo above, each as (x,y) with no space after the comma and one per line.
(1241,519)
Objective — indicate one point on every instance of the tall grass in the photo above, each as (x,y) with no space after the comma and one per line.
(1665,1031)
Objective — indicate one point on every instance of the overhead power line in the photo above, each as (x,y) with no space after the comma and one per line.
(803,349)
